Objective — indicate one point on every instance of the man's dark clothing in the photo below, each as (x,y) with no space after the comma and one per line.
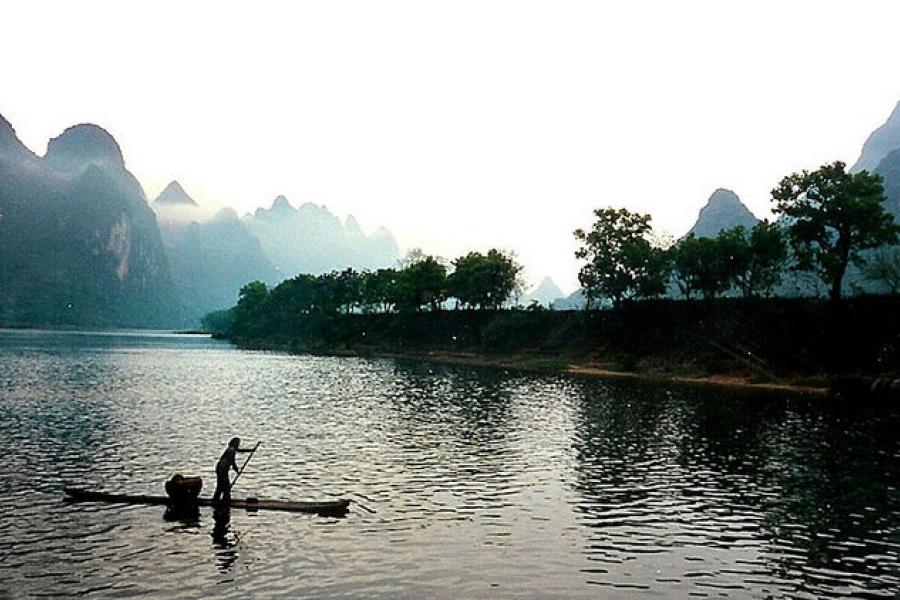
(223,481)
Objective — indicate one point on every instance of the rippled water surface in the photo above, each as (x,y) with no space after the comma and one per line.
(466,483)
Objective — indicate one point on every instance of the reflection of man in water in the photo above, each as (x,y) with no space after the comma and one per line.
(226,553)
(226,462)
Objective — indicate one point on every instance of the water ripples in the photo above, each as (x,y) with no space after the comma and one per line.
(466,482)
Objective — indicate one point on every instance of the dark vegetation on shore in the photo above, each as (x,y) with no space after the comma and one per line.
(831,219)
(759,339)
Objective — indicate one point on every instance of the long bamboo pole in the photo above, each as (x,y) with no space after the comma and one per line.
(252,452)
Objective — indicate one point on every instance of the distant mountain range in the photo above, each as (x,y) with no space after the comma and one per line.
(881,154)
(309,239)
(81,246)
(213,256)
(889,169)
(210,257)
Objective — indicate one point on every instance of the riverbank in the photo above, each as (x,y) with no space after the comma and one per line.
(818,386)
(797,384)
(776,344)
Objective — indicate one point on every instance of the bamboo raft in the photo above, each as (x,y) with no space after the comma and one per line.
(331,508)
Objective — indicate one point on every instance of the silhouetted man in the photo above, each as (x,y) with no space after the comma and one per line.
(226,462)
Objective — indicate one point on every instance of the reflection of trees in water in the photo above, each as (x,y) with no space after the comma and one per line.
(448,429)
(816,480)
(622,429)
(468,406)
(723,446)
(835,474)
(820,472)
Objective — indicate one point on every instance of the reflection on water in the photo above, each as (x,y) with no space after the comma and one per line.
(224,541)
(748,493)
(468,483)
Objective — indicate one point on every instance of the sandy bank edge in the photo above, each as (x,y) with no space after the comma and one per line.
(588,370)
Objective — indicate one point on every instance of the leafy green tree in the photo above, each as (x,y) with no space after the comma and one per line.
(219,322)
(422,283)
(656,268)
(833,215)
(377,289)
(348,291)
(252,297)
(484,281)
(700,267)
(621,261)
(250,311)
(327,293)
(733,258)
(768,259)
(750,261)
(293,298)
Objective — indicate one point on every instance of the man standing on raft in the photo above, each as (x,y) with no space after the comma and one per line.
(223,482)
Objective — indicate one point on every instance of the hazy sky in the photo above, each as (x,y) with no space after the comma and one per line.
(460,125)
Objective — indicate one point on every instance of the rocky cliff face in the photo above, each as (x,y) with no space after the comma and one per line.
(880,143)
(723,210)
(78,243)
(889,169)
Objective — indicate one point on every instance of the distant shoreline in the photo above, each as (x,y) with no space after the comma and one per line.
(818,386)
(777,344)
(810,385)
(89,329)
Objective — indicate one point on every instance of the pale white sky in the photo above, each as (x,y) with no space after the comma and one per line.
(460,125)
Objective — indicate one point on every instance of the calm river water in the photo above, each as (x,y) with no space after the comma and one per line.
(467,483)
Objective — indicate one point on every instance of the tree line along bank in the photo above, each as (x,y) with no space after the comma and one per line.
(828,219)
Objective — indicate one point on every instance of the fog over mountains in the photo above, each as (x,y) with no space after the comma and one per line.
(80,244)
(309,239)
(212,256)
(889,169)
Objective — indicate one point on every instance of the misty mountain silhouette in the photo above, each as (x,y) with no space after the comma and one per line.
(723,210)
(310,239)
(174,194)
(211,258)
(78,243)
(545,293)
(880,143)
(889,169)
